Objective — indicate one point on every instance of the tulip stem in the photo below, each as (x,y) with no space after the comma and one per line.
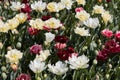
(37,76)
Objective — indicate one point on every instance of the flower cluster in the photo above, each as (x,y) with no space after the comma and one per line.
(13,23)
(111,46)
(106,16)
(51,23)
(60,68)
(40,5)
(85,19)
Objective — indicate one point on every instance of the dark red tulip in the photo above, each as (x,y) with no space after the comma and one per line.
(44,18)
(103,55)
(61,39)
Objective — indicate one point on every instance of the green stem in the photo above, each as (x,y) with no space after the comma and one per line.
(37,76)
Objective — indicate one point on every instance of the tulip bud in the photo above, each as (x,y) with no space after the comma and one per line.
(106,5)
(45,75)
(100,1)
(99,41)
(57,14)
(107,76)
(9,48)
(4,76)
(63,27)
(119,67)
(3,68)
(109,60)
(18,45)
(110,66)
(84,48)
(97,77)
(96,52)
(14,67)
(94,61)
(56,31)
(20,39)
(38,78)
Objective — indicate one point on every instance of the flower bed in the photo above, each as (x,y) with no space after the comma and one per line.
(59,40)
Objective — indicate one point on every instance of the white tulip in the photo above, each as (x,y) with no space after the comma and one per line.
(107,17)
(22,17)
(3,27)
(15,6)
(59,68)
(43,55)
(98,9)
(82,31)
(53,23)
(92,22)
(37,66)
(38,6)
(52,7)
(78,62)
(67,3)
(83,2)
(60,6)
(82,15)
(49,37)
(37,23)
